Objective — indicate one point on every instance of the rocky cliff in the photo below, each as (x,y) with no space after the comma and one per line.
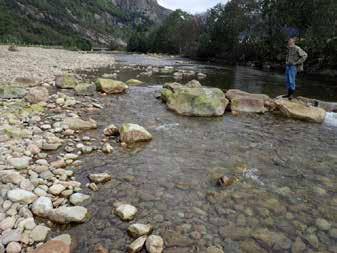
(65,21)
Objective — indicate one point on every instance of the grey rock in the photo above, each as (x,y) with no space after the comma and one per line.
(21,196)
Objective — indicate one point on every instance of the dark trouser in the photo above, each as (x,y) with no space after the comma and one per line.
(291,72)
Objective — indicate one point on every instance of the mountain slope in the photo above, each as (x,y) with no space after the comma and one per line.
(74,21)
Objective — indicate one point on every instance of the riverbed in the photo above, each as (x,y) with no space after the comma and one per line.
(284,196)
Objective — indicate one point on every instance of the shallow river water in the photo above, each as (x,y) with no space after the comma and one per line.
(284,198)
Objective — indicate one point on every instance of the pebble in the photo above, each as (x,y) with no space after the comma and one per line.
(137,245)
(39,233)
(138,230)
(56,189)
(154,244)
(126,212)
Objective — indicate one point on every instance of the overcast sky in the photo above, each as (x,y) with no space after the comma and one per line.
(193,6)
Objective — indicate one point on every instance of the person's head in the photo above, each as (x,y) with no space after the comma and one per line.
(291,42)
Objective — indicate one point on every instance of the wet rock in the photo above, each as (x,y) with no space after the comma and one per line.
(10,176)
(111,130)
(298,246)
(214,249)
(299,111)
(79,124)
(21,196)
(19,163)
(66,81)
(137,245)
(37,94)
(138,230)
(93,187)
(166,70)
(100,178)
(193,84)
(12,92)
(85,89)
(323,224)
(65,215)
(201,76)
(195,101)
(13,247)
(327,106)
(110,86)
(42,206)
(275,240)
(132,133)
(39,233)
(134,82)
(79,199)
(107,148)
(175,239)
(126,212)
(53,246)
(154,244)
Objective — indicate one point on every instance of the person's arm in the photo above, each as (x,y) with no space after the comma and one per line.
(303,56)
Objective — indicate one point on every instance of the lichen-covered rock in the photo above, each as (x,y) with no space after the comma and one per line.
(133,133)
(110,86)
(80,124)
(66,81)
(195,101)
(85,89)
(300,111)
(37,94)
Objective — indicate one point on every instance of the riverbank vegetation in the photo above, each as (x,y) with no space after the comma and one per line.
(244,31)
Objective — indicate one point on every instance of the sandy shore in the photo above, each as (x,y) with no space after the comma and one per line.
(39,64)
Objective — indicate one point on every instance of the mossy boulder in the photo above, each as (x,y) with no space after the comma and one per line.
(186,101)
(12,92)
(66,81)
(85,89)
(133,133)
(110,86)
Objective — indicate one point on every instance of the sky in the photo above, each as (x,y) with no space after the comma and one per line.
(192,6)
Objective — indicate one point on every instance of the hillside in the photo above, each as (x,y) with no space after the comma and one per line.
(75,22)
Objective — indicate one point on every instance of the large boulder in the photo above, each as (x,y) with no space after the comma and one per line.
(37,94)
(12,92)
(65,215)
(132,133)
(241,101)
(327,106)
(110,86)
(300,111)
(66,81)
(79,124)
(194,101)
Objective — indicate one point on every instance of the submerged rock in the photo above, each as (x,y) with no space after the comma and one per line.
(154,244)
(100,178)
(300,111)
(66,81)
(214,249)
(138,230)
(195,101)
(132,133)
(110,86)
(80,124)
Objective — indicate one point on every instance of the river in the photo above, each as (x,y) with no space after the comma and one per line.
(285,195)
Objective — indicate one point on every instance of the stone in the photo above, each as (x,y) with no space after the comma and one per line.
(13,247)
(65,238)
(327,106)
(19,163)
(201,76)
(323,224)
(79,124)
(7,223)
(137,245)
(299,111)
(37,94)
(110,86)
(42,206)
(56,189)
(100,177)
(126,212)
(138,230)
(65,215)
(79,199)
(85,89)
(133,133)
(111,130)
(275,240)
(21,196)
(66,81)
(134,82)
(28,224)
(214,249)
(193,84)
(10,235)
(203,102)
(12,92)
(298,246)
(53,246)
(10,177)
(154,244)
(39,233)
(107,148)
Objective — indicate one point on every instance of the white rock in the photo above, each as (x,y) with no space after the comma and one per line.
(10,177)
(39,233)
(21,196)
(56,189)
(64,215)
(13,247)
(28,224)
(126,212)
(78,199)
(42,206)
(19,163)
(7,223)
(154,244)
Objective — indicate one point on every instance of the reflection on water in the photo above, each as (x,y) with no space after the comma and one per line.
(284,198)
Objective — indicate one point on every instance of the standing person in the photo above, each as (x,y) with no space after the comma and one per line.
(294,63)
